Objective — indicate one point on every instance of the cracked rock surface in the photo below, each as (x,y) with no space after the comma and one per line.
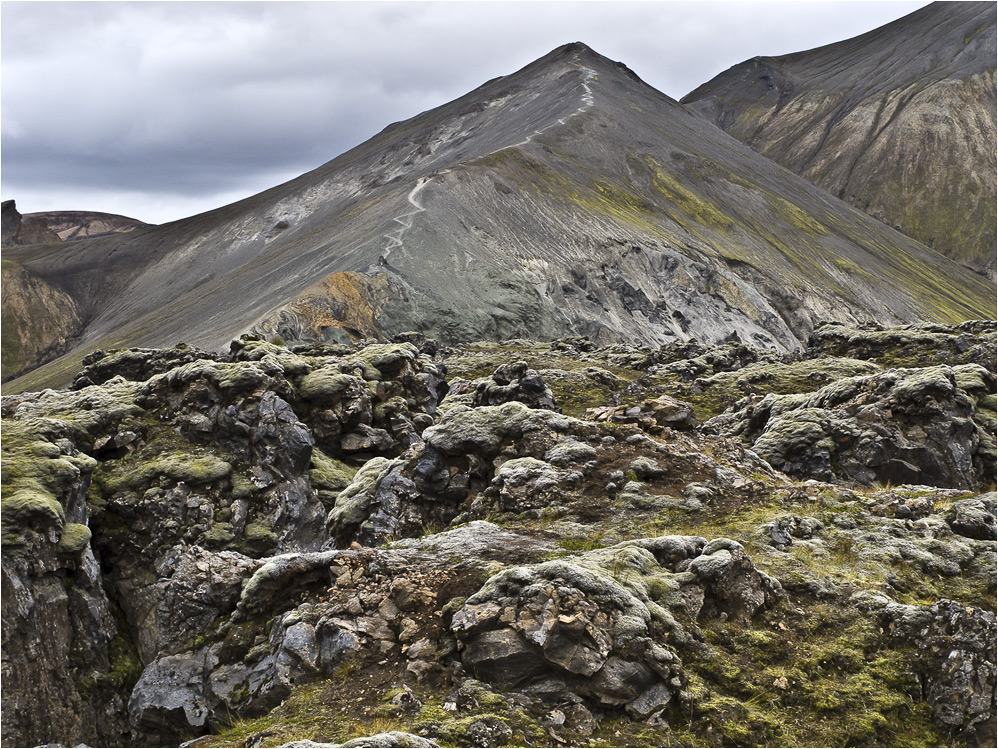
(204,549)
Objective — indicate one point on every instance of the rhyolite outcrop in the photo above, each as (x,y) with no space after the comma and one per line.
(205,547)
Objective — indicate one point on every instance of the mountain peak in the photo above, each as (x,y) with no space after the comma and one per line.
(567,198)
(581,53)
(853,118)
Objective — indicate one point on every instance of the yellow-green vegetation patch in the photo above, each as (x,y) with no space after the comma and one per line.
(688,203)
(75,538)
(849,267)
(315,712)
(258,538)
(10,344)
(178,466)
(582,543)
(35,473)
(56,373)
(26,505)
(305,714)
(795,216)
(324,383)
(711,395)
(577,382)
(328,473)
(576,392)
(594,196)
(821,678)
(37,464)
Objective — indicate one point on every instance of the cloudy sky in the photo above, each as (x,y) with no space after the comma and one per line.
(160,110)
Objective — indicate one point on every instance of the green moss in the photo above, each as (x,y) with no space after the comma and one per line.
(327,383)
(126,666)
(578,543)
(716,393)
(242,485)
(26,506)
(220,534)
(138,473)
(32,462)
(386,359)
(328,473)
(75,538)
(258,538)
(577,383)
(828,680)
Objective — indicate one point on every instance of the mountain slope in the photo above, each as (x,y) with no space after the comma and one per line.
(899,122)
(568,198)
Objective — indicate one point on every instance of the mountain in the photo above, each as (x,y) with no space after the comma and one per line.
(899,122)
(46,227)
(18,231)
(70,225)
(569,198)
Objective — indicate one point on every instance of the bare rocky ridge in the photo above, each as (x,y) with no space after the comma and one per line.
(899,122)
(70,225)
(516,543)
(567,198)
(48,227)
(17,230)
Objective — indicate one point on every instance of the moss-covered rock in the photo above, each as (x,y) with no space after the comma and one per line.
(482,430)
(908,425)
(207,503)
(203,469)
(75,538)
(326,383)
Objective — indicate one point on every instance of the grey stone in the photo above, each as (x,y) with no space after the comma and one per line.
(169,701)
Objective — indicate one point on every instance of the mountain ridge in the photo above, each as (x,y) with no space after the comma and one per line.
(49,227)
(898,121)
(566,198)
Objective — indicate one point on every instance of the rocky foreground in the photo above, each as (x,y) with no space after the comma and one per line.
(507,544)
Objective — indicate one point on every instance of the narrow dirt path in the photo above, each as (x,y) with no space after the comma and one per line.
(394,238)
(587,102)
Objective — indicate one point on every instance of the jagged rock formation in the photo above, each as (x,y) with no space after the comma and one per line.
(568,198)
(902,426)
(50,227)
(200,465)
(214,545)
(899,122)
(957,653)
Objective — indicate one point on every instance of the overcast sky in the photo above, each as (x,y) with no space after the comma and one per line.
(162,110)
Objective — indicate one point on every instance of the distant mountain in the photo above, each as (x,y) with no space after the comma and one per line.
(569,198)
(899,122)
(18,231)
(48,227)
